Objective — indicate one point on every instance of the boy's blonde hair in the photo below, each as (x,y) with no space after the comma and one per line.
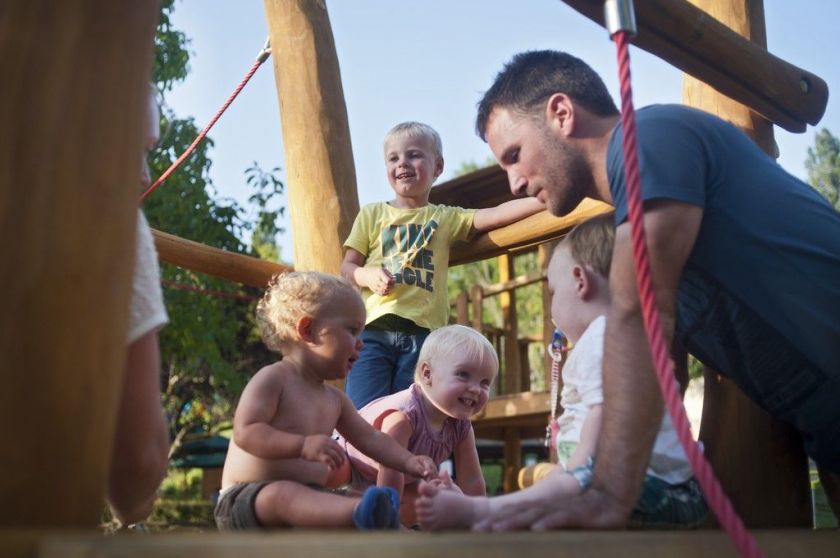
(417,130)
(455,340)
(293,295)
(591,243)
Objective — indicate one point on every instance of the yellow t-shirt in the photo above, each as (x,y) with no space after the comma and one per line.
(413,244)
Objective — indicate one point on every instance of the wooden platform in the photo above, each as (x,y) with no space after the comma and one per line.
(347,544)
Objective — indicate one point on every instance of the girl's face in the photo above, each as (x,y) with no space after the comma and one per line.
(459,387)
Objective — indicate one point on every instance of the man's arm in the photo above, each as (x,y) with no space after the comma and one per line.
(141,443)
(632,400)
(505,213)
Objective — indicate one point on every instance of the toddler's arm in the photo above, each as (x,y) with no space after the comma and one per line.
(380,446)
(505,213)
(468,475)
(379,280)
(588,438)
(396,426)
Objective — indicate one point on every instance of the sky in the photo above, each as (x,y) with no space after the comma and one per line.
(430,61)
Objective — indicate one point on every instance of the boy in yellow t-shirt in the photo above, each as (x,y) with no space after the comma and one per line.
(398,254)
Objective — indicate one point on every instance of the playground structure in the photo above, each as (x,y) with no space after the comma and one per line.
(68,393)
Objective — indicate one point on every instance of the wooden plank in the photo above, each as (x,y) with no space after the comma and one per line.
(697,44)
(213,261)
(515,405)
(527,232)
(350,544)
(515,283)
(73,106)
(321,176)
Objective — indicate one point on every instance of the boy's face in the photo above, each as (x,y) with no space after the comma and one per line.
(412,166)
(338,329)
(563,287)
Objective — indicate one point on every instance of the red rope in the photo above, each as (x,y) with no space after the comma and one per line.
(206,129)
(717,499)
(208,292)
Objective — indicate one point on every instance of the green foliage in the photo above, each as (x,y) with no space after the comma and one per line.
(266,187)
(210,349)
(171,54)
(823,165)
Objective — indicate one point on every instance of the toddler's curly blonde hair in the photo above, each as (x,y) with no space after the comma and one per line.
(291,296)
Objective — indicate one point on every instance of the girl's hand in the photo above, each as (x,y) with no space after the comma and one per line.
(421,466)
(323,449)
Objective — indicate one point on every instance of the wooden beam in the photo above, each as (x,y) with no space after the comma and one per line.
(771,496)
(323,201)
(697,44)
(73,106)
(527,232)
(746,19)
(370,544)
(213,261)
(514,405)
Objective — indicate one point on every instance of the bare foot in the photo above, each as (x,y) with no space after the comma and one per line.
(439,507)
(522,509)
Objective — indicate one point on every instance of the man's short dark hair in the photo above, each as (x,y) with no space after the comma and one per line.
(530,78)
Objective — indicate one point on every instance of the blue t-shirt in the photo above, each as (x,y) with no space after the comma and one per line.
(759,298)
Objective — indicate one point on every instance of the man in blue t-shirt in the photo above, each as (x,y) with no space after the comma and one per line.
(745,260)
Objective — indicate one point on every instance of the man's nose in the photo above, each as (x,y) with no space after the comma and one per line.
(518,184)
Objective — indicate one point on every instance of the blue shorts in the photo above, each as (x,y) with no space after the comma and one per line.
(727,335)
(660,505)
(387,361)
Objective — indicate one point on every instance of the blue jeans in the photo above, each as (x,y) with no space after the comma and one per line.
(385,366)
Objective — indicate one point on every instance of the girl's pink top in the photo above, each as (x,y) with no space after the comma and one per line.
(423,440)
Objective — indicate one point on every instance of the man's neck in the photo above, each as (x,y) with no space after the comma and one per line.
(600,129)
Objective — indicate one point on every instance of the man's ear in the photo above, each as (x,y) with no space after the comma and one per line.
(560,113)
(304,328)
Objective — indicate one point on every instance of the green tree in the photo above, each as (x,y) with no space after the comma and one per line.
(210,348)
(823,165)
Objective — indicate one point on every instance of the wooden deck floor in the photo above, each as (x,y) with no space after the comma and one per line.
(347,544)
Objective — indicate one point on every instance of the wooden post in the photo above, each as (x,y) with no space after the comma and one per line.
(759,461)
(513,460)
(316,137)
(507,299)
(73,103)
(544,257)
(462,308)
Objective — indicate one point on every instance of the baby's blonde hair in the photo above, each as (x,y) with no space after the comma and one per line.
(417,130)
(455,341)
(293,295)
(591,243)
